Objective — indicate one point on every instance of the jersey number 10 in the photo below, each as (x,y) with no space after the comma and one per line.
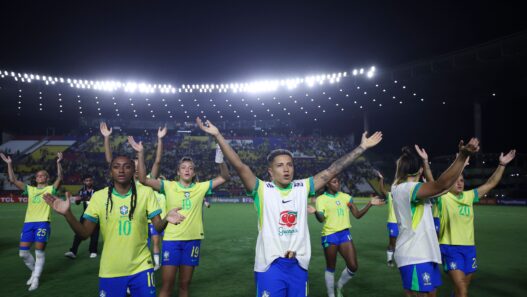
(125,228)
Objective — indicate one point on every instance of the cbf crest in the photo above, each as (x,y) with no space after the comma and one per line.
(123,210)
(338,203)
(426,279)
(187,195)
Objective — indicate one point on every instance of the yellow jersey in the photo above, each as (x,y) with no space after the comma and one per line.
(125,251)
(37,209)
(391,212)
(457,218)
(335,210)
(190,199)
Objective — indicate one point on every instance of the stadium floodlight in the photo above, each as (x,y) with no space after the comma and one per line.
(236,87)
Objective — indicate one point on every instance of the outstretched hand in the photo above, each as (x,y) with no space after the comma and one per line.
(377,201)
(6,159)
(174,217)
(311,209)
(161,132)
(421,152)
(138,147)
(104,129)
(368,142)
(505,159)
(60,206)
(207,127)
(470,148)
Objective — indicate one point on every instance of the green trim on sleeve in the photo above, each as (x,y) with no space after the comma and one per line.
(413,198)
(162,187)
(90,218)
(255,190)
(257,204)
(154,213)
(312,187)
(476,196)
(209,191)
(53,191)
(26,191)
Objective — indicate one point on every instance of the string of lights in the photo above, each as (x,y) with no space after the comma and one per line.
(260,86)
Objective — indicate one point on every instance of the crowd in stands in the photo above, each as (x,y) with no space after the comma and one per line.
(312,154)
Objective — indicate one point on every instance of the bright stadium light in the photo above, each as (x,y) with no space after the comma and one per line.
(269,85)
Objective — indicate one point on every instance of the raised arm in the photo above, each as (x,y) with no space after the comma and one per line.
(223,177)
(57,182)
(106,134)
(427,172)
(383,190)
(448,178)
(359,213)
(141,168)
(334,169)
(493,181)
(62,207)
(161,132)
(11,172)
(247,176)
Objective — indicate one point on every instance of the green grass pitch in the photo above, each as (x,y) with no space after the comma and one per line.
(227,256)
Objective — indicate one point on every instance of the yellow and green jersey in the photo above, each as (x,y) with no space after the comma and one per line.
(37,209)
(190,199)
(457,218)
(335,210)
(161,200)
(125,251)
(391,212)
(435,209)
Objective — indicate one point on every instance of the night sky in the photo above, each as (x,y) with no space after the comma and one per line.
(224,41)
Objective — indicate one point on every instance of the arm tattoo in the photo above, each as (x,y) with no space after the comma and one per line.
(343,162)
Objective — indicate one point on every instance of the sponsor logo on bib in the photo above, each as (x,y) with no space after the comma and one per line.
(288,218)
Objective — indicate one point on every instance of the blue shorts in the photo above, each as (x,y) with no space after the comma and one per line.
(336,238)
(35,231)
(393,229)
(423,277)
(284,277)
(459,257)
(153,232)
(181,252)
(437,224)
(141,284)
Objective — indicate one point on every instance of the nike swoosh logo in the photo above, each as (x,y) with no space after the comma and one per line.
(285,201)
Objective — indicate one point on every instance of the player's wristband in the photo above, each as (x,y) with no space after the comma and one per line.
(502,165)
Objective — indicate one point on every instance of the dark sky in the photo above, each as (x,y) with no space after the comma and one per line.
(224,41)
(193,41)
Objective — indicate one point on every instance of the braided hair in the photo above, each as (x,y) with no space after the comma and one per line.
(109,200)
(133,202)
